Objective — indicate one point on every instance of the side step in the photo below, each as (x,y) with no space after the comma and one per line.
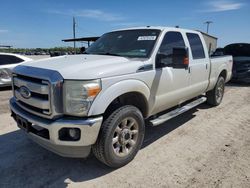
(165,117)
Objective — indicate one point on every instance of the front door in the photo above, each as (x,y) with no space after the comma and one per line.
(171,85)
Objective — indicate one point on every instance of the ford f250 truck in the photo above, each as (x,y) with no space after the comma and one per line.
(100,100)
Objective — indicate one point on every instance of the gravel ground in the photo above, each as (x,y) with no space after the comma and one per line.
(205,147)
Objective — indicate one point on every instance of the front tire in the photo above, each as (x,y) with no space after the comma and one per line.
(120,137)
(215,96)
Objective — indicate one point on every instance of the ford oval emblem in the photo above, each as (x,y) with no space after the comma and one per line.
(25,92)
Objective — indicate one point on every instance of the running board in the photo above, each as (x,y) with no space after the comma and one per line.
(165,117)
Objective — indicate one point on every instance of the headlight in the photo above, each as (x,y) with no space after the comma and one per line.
(79,95)
(5,74)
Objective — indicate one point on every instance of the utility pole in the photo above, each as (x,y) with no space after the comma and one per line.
(208,23)
(74,33)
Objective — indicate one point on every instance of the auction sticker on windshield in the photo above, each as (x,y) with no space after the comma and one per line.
(146,38)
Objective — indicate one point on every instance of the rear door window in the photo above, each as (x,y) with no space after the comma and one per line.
(9,59)
(196,46)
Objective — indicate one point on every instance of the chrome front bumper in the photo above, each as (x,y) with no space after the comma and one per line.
(89,132)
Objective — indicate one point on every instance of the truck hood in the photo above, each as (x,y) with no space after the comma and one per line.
(88,66)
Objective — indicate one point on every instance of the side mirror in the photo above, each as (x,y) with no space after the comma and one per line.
(180,57)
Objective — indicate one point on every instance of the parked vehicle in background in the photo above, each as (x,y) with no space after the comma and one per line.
(218,52)
(57,53)
(100,99)
(7,62)
(241,61)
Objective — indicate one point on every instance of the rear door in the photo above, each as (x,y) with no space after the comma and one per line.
(199,64)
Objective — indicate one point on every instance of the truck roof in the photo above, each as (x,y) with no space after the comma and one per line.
(159,28)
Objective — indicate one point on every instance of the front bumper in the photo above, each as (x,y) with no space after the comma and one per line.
(89,132)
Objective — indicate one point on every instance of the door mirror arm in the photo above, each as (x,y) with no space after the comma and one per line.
(158,60)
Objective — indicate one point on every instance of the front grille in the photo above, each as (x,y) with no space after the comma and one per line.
(38,102)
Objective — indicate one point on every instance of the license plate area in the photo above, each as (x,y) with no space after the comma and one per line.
(23,124)
(27,126)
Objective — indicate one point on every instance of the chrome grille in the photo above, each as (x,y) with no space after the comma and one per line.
(45,91)
(39,100)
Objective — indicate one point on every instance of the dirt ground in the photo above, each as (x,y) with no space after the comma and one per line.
(205,147)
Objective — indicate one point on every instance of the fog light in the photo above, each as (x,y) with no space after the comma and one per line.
(69,134)
(74,133)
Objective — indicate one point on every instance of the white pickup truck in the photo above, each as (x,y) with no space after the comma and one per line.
(101,99)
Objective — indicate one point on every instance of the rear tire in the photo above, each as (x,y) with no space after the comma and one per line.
(120,137)
(215,96)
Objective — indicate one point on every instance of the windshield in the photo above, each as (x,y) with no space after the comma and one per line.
(129,43)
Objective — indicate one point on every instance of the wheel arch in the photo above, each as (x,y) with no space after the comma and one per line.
(126,92)
(131,98)
(223,73)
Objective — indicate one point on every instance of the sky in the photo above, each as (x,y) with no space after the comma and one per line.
(44,23)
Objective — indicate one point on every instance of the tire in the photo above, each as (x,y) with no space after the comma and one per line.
(120,137)
(215,96)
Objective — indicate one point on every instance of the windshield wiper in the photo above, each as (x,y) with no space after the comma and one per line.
(108,53)
(104,53)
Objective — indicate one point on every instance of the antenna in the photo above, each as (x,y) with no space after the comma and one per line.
(208,23)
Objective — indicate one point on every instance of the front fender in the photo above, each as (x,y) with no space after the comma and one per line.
(106,96)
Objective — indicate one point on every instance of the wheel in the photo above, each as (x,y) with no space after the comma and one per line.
(120,137)
(215,96)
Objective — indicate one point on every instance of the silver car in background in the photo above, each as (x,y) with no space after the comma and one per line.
(7,62)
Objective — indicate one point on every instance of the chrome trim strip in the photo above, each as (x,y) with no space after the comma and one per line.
(44,74)
(32,111)
(38,103)
(17,109)
(34,87)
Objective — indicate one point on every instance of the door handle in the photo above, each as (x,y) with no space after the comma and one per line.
(206,66)
(189,69)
